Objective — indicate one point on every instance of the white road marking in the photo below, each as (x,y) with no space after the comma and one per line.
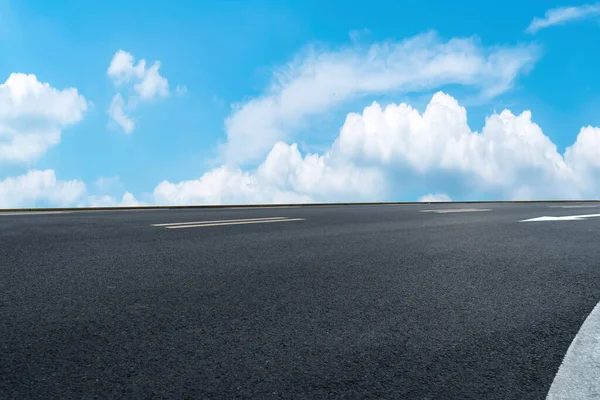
(579,374)
(257,207)
(217,221)
(574,206)
(457,210)
(565,218)
(234,223)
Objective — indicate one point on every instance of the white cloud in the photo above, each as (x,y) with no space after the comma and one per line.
(146,83)
(319,176)
(123,70)
(584,158)
(563,15)
(96,201)
(316,81)
(382,151)
(435,198)
(152,85)
(584,154)
(284,177)
(116,111)
(128,200)
(378,155)
(33,115)
(510,153)
(36,186)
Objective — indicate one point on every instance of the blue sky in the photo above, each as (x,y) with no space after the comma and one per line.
(239,81)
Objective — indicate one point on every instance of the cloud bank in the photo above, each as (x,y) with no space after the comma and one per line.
(316,81)
(393,146)
(379,153)
(41,188)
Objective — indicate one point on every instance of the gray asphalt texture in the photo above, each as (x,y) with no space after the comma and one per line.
(353,302)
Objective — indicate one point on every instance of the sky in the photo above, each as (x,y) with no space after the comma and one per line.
(111,103)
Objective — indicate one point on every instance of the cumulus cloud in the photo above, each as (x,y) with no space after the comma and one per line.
(315,81)
(33,115)
(584,159)
(585,152)
(511,149)
(284,177)
(37,187)
(145,82)
(564,15)
(435,198)
(223,186)
(128,200)
(152,85)
(41,188)
(385,148)
(148,83)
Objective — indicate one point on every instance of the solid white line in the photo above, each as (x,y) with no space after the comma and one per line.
(579,374)
(217,221)
(234,223)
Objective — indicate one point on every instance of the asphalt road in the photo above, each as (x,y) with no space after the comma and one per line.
(340,302)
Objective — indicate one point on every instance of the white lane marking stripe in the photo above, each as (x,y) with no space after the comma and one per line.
(254,208)
(234,223)
(579,374)
(457,210)
(574,206)
(565,218)
(217,221)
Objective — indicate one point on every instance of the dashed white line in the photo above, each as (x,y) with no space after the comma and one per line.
(257,207)
(579,374)
(457,210)
(217,221)
(264,221)
(575,206)
(223,222)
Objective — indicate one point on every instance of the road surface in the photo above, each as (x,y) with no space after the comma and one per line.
(386,301)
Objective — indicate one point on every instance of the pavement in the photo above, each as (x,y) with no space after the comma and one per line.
(356,302)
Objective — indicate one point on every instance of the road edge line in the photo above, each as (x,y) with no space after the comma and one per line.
(578,376)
